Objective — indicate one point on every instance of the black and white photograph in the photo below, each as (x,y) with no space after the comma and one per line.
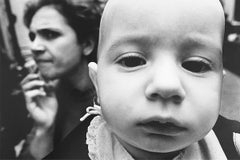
(120,79)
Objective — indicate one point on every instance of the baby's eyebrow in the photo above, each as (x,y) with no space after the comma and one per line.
(136,40)
(200,41)
(189,42)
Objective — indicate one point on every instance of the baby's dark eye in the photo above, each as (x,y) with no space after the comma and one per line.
(131,61)
(196,66)
(49,34)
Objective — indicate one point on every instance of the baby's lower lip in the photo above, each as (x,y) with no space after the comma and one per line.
(158,128)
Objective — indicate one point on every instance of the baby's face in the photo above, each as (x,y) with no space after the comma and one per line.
(160,71)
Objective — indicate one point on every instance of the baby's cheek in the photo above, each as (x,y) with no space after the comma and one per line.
(204,120)
(114,110)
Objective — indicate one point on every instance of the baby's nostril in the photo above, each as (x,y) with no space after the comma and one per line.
(176,98)
(154,96)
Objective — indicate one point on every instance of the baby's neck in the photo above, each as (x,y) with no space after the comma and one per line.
(139,154)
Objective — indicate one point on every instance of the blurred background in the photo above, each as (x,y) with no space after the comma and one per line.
(14,48)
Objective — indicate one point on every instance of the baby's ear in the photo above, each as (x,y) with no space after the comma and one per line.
(92,66)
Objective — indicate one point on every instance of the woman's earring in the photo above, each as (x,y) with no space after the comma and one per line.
(92,110)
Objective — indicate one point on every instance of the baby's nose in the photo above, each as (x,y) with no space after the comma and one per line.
(165,83)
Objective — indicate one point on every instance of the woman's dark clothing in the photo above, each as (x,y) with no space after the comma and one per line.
(69,99)
(74,145)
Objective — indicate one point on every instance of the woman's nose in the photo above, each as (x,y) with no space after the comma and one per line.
(165,84)
(37,47)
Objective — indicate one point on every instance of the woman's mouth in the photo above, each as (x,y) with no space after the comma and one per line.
(43,62)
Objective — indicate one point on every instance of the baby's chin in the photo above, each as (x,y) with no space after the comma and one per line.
(155,151)
(154,147)
(163,149)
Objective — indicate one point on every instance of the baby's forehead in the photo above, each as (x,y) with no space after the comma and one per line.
(122,17)
(135,8)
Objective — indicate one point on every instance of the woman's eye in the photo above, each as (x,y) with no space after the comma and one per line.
(196,66)
(131,61)
(32,36)
(49,34)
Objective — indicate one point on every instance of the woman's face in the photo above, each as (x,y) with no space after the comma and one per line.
(54,43)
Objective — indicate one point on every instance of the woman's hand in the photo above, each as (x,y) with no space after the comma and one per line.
(41,103)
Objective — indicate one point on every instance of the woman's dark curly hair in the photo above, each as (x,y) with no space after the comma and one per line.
(82,15)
